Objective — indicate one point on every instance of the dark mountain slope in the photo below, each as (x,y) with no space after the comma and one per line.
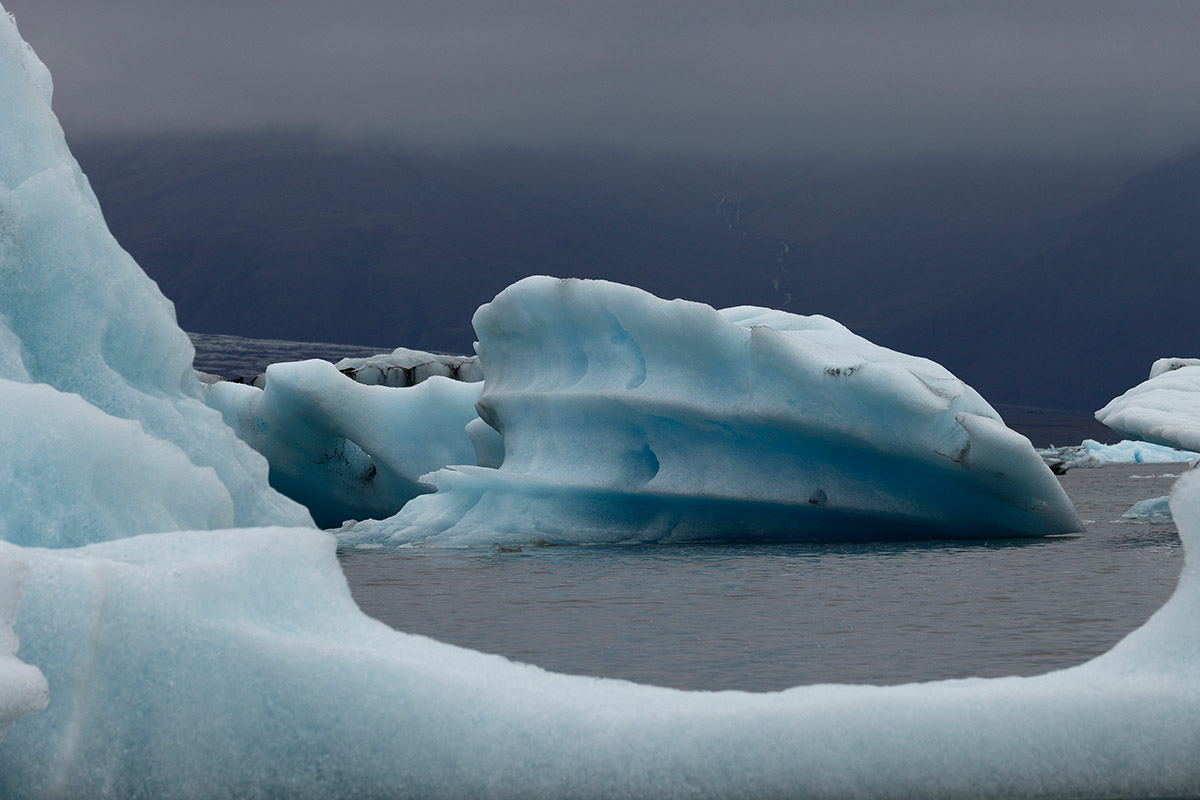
(285,237)
(1085,317)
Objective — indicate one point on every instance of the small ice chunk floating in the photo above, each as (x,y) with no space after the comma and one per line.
(625,417)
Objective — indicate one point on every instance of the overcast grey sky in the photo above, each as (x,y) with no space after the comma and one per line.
(768,76)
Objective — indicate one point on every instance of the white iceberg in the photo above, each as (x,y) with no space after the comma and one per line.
(230,664)
(629,418)
(347,450)
(1165,409)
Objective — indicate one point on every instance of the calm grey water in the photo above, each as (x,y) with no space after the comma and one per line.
(769,617)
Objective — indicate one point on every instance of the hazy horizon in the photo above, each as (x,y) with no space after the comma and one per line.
(1092,79)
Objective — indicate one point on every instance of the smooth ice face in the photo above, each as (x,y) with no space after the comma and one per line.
(77,314)
(629,418)
(347,450)
(1164,409)
(233,664)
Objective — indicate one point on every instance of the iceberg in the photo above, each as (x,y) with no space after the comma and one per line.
(78,314)
(344,449)
(234,663)
(1164,409)
(627,418)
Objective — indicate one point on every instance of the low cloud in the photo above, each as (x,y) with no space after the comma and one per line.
(763,77)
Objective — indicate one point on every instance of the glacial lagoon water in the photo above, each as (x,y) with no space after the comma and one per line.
(768,617)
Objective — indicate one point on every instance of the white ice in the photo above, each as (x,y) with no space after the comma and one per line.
(1165,409)
(629,418)
(231,664)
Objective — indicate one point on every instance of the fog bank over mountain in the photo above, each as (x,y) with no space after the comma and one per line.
(766,77)
(987,265)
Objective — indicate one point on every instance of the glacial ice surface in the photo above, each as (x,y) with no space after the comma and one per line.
(234,663)
(1164,409)
(23,688)
(629,418)
(79,315)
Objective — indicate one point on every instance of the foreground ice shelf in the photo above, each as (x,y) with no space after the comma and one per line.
(236,663)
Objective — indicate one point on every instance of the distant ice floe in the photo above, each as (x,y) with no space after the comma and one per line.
(1165,409)
(1091,454)
(627,418)
(235,663)
(404,367)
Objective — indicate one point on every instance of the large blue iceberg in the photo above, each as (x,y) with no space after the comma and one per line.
(348,450)
(233,663)
(625,417)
